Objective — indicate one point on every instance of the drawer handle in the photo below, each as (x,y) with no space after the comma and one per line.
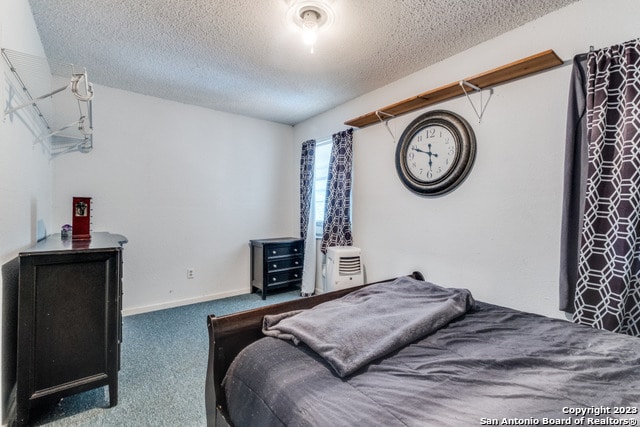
(296,263)
(274,252)
(295,275)
(295,249)
(275,265)
(273,279)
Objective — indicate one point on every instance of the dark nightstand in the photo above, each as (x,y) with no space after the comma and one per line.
(276,263)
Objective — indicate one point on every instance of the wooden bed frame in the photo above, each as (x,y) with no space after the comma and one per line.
(228,335)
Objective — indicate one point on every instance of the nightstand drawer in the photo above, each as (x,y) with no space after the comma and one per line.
(284,263)
(284,277)
(274,251)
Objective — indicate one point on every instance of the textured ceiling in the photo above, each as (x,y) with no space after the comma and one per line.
(241,56)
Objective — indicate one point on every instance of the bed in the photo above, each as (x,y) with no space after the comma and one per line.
(463,362)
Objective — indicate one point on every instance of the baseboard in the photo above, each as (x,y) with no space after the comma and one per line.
(179,303)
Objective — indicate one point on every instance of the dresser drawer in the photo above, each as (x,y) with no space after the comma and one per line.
(277,251)
(284,263)
(284,277)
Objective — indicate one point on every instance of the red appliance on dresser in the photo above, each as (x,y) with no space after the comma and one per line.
(81,226)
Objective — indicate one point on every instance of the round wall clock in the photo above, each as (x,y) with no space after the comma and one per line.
(435,153)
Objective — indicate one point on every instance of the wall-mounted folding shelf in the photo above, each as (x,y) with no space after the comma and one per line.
(523,67)
(61,106)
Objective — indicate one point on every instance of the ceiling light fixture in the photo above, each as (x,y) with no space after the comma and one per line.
(310,27)
(311,17)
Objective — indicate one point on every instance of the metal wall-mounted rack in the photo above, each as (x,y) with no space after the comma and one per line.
(62,106)
(523,67)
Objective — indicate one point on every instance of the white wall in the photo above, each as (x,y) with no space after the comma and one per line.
(25,171)
(189,187)
(498,233)
(25,181)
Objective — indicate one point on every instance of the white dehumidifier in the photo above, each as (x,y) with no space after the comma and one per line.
(343,268)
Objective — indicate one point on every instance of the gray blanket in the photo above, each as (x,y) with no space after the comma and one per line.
(365,325)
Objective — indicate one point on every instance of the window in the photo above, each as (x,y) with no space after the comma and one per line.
(321,172)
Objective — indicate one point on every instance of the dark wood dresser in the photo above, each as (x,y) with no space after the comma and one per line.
(276,263)
(69,319)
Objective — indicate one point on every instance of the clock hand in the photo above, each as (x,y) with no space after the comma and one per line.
(431,155)
(419,150)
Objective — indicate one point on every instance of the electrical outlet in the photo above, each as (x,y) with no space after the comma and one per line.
(190,273)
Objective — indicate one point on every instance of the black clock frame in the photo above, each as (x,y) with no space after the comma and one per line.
(465,152)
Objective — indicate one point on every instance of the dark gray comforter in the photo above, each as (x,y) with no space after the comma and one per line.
(491,366)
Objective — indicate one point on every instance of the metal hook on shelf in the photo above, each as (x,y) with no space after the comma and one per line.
(83,128)
(386,122)
(76,78)
(483,106)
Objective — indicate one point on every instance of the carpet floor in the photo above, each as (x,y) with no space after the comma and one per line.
(162,376)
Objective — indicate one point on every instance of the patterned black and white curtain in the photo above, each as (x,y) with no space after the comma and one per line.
(337,218)
(607,291)
(307,217)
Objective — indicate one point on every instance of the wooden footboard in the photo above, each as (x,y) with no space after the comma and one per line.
(228,335)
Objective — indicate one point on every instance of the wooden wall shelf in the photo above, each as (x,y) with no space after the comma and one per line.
(523,67)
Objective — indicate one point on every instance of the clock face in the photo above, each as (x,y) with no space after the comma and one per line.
(431,153)
(435,153)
